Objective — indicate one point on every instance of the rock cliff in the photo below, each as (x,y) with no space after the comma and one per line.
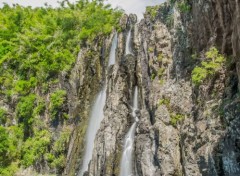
(184,128)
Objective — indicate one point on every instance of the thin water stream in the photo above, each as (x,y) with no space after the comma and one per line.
(112,57)
(128,43)
(127,157)
(93,126)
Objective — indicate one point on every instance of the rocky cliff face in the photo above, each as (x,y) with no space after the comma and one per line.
(184,129)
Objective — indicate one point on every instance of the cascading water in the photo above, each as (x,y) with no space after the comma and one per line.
(128,44)
(93,126)
(96,116)
(126,162)
(113,51)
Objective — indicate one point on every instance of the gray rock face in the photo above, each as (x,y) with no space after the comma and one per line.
(183,129)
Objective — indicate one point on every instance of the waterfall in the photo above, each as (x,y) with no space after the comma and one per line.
(135,103)
(126,162)
(128,44)
(96,117)
(112,55)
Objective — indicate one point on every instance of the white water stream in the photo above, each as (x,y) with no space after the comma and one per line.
(127,157)
(112,56)
(96,116)
(128,44)
(93,126)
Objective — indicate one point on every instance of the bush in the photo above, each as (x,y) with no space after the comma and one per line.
(183,6)
(24,86)
(40,107)
(165,102)
(160,58)
(160,72)
(24,112)
(9,170)
(25,107)
(57,99)
(170,20)
(4,145)
(153,11)
(61,143)
(175,118)
(3,118)
(10,142)
(57,157)
(213,63)
(34,148)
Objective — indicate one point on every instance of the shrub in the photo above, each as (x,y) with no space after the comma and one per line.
(153,76)
(160,57)
(9,170)
(10,142)
(153,11)
(160,72)
(34,148)
(170,20)
(151,49)
(183,6)
(172,1)
(40,106)
(57,157)
(24,86)
(198,75)
(213,63)
(164,101)
(25,109)
(4,145)
(57,99)
(61,143)
(3,117)
(175,118)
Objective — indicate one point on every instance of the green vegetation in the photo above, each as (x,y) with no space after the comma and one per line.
(150,49)
(160,72)
(36,45)
(175,118)
(10,143)
(164,101)
(153,76)
(194,56)
(57,99)
(57,156)
(172,2)
(25,113)
(160,58)
(170,20)
(3,117)
(209,67)
(4,145)
(184,6)
(35,147)
(153,11)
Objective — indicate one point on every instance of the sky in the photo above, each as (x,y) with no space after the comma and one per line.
(130,6)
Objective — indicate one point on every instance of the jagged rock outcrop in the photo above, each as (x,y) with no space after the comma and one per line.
(183,129)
